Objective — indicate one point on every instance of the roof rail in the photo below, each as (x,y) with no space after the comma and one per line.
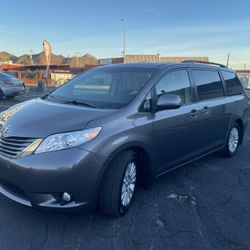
(210,63)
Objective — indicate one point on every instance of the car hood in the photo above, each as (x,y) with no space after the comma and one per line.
(39,118)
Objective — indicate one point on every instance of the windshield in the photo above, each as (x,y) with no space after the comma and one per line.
(104,87)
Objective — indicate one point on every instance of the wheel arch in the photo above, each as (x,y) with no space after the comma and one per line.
(145,161)
(1,92)
(240,123)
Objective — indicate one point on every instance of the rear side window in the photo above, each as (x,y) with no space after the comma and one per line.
(233,84)
(209,84)
(177,83)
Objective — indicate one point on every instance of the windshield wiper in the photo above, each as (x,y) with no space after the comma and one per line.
(75,102)
(51,96)
(44,96)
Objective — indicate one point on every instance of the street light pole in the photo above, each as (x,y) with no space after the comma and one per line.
(124,39)
(31,59)
(228,57)
(77,59)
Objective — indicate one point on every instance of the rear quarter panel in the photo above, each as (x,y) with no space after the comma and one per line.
(241,109)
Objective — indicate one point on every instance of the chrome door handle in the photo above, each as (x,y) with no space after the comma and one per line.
(194,113)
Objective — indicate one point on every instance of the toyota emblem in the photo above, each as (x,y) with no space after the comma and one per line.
(5,131)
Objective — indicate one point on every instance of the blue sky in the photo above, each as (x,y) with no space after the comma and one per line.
(172,28)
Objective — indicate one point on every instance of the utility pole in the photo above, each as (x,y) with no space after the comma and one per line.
(228,57)
(124,39)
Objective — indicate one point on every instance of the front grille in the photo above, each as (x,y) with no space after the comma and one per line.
(13,146)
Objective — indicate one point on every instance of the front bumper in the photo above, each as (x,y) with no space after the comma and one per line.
(39,180)
(13,90)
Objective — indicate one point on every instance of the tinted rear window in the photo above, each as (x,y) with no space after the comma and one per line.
(209,84)
(233,84)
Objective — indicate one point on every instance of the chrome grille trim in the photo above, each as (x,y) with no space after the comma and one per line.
(17,139)
(13,146)
(9,147)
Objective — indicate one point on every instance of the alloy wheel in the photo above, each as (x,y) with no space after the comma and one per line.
(128,184)
(233,140)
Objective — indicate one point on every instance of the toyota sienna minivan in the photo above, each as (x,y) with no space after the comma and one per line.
(92,141)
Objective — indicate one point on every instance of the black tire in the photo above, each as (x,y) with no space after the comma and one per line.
(227,151)
(111,189)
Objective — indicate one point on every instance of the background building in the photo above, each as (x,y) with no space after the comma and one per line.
(244,76)
(31,69)
(148,58)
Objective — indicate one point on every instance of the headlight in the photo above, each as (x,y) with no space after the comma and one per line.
(67,140)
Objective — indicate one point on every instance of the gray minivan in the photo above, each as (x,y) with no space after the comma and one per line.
(90,142)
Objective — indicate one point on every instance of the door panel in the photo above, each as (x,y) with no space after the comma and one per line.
(177,135)
(216,108)
(173,129)
(215,116)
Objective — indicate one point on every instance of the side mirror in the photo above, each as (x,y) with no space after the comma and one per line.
(168,101)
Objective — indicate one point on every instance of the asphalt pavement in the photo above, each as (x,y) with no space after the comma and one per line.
(203,205)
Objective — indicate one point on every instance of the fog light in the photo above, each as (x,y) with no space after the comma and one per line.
(66,197)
